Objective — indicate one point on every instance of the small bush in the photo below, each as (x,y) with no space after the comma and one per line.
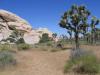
(20,41)
(49,44)
(78,53)
(86,63)
(53,50)
(5,47)
(6,59)
(45,38)
(23,46)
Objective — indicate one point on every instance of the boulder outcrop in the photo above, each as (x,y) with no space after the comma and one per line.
(31,36)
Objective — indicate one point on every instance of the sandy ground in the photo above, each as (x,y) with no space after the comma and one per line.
(38,63)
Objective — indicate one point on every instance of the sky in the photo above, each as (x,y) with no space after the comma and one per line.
(47,13)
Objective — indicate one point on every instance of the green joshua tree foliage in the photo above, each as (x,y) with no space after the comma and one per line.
(54,35)
(76,20)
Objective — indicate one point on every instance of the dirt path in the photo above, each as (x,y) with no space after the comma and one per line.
(39,63)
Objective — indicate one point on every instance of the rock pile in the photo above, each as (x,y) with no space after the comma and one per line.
(31,36)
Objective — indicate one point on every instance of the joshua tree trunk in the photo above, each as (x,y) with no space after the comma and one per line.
(77,40)
(71,39)
(93,38)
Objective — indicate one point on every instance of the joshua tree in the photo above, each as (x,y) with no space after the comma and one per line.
(94,22)
(88,38)
(54,35)
(97,34)
(76,20)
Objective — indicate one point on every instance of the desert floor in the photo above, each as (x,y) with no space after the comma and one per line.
(37,62)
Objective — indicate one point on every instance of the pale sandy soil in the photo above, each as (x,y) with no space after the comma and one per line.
(38,63)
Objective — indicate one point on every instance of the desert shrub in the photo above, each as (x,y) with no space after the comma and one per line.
(59,45)
(49,44)
(5,47)
(85,63)
(23,46)
(6,59)
(46,44)
(78,53)
(45,38)
(20,41)
(54,50)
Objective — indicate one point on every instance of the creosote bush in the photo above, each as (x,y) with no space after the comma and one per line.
(45,38)
(6,59)
(5,47)
(85,63)
(23,46)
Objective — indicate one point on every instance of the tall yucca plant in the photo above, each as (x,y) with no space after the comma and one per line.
(76,20)
(94,22)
